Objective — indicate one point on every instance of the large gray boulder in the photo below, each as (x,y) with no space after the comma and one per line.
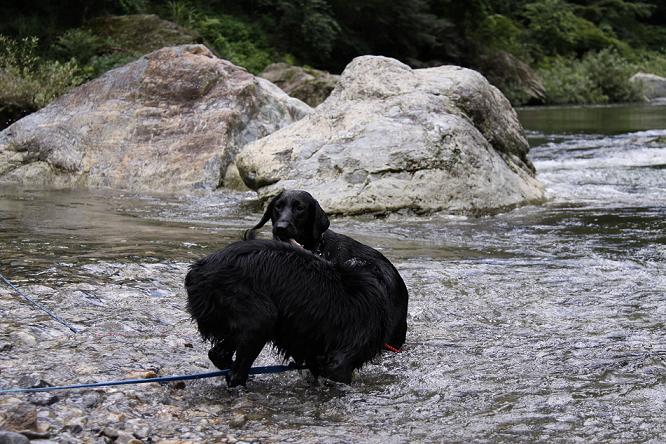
(653,86)
(391,138)
(170,121)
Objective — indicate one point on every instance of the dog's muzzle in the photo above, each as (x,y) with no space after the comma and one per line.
(281,232)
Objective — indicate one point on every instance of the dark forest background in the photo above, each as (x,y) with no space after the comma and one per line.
(536,51)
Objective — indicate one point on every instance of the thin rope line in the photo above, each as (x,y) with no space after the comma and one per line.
(252,371)
(37,304)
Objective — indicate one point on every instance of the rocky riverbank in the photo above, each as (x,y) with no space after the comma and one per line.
(132,324)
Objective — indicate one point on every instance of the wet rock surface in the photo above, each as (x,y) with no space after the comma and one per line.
(127,333)
(12,438)
(170,121)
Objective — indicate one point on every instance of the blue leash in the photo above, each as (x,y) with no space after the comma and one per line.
(253,371)
(37,304)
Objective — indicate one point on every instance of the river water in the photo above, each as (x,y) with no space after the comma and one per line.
(544,324)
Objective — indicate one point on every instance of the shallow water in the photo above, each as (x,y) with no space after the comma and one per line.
(542,324)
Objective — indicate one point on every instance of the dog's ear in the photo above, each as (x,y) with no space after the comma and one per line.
(252,232)
(320,223)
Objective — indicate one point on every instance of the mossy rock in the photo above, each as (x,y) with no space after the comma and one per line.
(142,33)
(310,85)
(516,79)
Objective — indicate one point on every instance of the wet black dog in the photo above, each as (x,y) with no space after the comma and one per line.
(298,218)
(333,317)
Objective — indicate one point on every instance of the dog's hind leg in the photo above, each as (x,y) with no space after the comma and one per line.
(314,368)
(338,368)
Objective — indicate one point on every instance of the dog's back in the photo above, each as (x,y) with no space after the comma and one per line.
(340,249)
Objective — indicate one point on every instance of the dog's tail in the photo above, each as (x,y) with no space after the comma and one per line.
(202,303)
(252,232)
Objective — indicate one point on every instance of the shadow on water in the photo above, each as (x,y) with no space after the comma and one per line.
(541,324)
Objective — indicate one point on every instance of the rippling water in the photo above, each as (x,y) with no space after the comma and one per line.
(543,324)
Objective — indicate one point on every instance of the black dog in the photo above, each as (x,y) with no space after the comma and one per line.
(334,317)
(297,218)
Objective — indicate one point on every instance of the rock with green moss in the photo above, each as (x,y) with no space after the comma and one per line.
(310,85)
(519,83)
(142,33)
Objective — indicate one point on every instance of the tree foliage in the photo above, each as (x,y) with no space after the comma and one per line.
(564,36)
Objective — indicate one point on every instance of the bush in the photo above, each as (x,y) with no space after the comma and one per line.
(183,13)
(611,72)
(28,82)
(601,77)
(80,44)
(500,33)
(94,54)
(230,37)
(133,6)
(100,64)
(565,81)
(318,28)
(551,26)
(554,29)
(651,61)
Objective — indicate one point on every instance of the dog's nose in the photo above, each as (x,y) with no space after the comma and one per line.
(281,229)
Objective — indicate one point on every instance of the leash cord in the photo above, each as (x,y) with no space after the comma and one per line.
(37,304)
(252,371)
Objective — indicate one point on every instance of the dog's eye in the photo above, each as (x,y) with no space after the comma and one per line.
(299,208)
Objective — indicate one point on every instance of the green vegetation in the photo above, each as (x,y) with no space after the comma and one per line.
(582,50)
(599,77)
(230,37)
(28,82)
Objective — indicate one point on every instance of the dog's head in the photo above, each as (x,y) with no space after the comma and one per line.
(296,217)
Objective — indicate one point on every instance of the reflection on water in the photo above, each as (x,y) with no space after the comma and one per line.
(41,229)
(607,119)
(542,324)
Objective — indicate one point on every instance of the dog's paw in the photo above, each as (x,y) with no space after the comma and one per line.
(235,380)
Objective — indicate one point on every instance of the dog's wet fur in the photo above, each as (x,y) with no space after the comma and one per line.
(321,298)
